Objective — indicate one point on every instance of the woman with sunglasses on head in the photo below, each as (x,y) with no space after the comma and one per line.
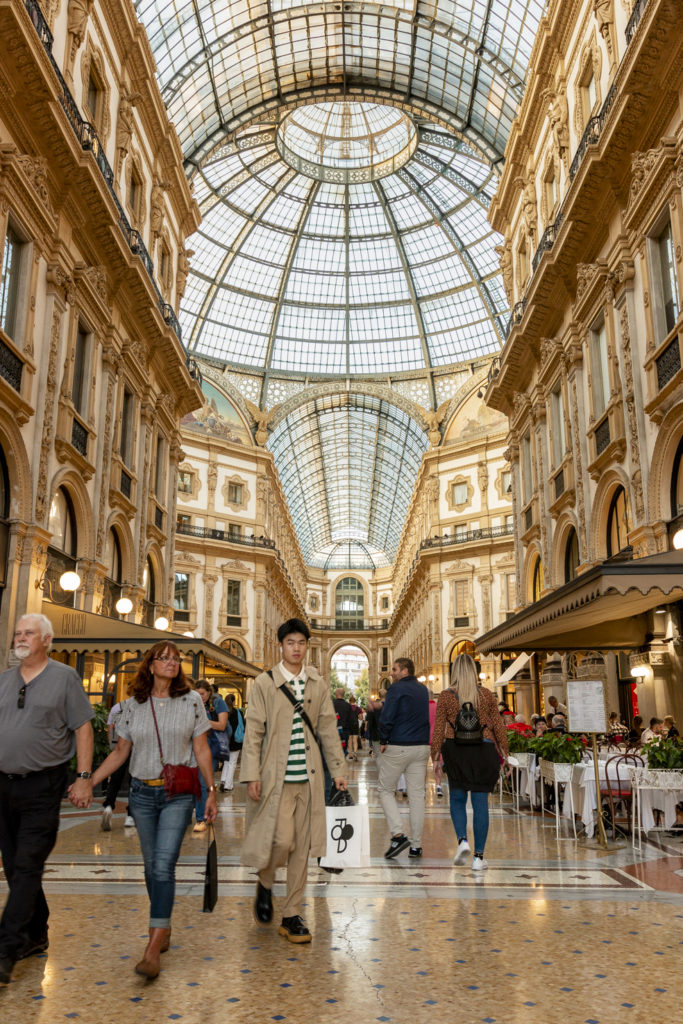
(163,712)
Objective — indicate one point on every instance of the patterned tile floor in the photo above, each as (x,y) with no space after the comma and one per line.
(556,930)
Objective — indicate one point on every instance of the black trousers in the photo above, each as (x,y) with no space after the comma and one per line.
(115,782)
(29,821)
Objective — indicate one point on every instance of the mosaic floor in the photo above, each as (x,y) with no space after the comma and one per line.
(555,930)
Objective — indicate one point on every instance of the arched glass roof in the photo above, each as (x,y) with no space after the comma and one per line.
(295,270)
(344,156)
(348,464)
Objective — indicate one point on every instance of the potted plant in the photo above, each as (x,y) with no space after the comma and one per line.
(664,754)
(557,753)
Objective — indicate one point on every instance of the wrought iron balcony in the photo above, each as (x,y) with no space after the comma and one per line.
(90,141)
(486,533)
(634,20)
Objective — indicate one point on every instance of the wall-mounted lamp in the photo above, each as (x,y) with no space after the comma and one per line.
(422,679)
(677,540)
(482,676)
(69,582)
(161,623)
(190,634)
(640,671)
(124,606)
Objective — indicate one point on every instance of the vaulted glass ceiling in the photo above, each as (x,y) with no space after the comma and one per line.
(344,157)
(348,464)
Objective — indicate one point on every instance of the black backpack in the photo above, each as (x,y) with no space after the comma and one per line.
(467,729)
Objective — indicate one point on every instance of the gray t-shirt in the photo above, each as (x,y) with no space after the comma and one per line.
(180,720)
(41,734)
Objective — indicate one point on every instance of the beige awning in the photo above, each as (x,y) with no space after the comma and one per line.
(512,670)
(603,609)
(84,631)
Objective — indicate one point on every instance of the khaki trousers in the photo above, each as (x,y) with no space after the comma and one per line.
(291,845)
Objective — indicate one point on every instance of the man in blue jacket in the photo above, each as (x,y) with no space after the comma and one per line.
(404,749)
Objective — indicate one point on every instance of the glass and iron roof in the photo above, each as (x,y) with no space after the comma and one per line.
(344,157)
(348,464)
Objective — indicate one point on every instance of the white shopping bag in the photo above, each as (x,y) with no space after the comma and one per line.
(348,837)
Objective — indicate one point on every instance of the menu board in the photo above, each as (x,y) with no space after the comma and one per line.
(586,705)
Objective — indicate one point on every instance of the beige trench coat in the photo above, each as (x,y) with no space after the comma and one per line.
(268,728)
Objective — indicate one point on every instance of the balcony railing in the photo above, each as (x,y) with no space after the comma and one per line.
(633,21)
(126,484)
(547,240)
(593,132)
(516,315)
(602,436)
(11,366)
(79,438)
(668,363)
(486,533)
(360,626)
(233,538)
(89,140)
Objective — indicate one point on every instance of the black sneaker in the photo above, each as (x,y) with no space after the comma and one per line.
(295,929)
(415,851)
(398,843)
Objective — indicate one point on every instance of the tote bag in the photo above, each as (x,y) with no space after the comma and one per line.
(348,837)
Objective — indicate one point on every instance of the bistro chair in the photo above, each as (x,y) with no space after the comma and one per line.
(616,792)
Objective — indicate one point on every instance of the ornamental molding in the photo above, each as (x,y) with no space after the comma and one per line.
(329,388)
(653,176)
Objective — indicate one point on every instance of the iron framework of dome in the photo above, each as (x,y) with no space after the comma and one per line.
(344,157)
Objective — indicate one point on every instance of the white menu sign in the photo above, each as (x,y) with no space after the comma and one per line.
(586,705)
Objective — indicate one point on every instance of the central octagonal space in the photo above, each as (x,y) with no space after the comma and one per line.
(346,142)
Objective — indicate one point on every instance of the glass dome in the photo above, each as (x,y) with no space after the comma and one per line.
(294,273)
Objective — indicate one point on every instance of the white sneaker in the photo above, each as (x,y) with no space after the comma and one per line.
(479,864)
(462,851)
(439,790)
(129,822)
(105,824)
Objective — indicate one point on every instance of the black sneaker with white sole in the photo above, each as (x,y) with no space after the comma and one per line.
(398,843)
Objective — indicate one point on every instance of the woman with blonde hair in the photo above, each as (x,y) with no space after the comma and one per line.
(472,757)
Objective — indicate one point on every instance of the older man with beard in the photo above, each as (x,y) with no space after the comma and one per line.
(44,718)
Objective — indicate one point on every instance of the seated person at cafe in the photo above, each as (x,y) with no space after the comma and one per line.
(653,733)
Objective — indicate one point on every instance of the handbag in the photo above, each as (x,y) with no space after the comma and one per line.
(178,778)
(211,874)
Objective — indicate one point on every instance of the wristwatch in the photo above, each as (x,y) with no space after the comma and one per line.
(84,775)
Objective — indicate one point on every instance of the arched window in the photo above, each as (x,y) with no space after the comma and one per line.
(618,523)
(571,556)
(62,523)
(677,482)
(149,600)
(4,521)
(537,583)
(114,559)
(235,648)
(349,604)
(463,647)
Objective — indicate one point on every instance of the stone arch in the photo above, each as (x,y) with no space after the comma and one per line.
(72,481)
(18,468)
(565,524)
(328,388)
(241,640)
(120,523)
(613,478)
(662,463)
(337,645)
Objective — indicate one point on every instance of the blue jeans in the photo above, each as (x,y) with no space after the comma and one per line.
(161,825)
(480,815)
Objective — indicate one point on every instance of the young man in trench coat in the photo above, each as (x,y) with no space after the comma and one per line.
(283,769)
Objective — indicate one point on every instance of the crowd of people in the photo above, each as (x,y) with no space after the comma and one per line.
(172,735)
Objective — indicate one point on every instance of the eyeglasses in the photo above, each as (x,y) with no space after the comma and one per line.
(21,699)
(169,657)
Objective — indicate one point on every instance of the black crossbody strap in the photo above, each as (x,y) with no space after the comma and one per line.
(298,706)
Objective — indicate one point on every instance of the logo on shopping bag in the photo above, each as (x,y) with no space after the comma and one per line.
(341,832)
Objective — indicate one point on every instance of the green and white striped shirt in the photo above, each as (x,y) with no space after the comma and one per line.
(296,770)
